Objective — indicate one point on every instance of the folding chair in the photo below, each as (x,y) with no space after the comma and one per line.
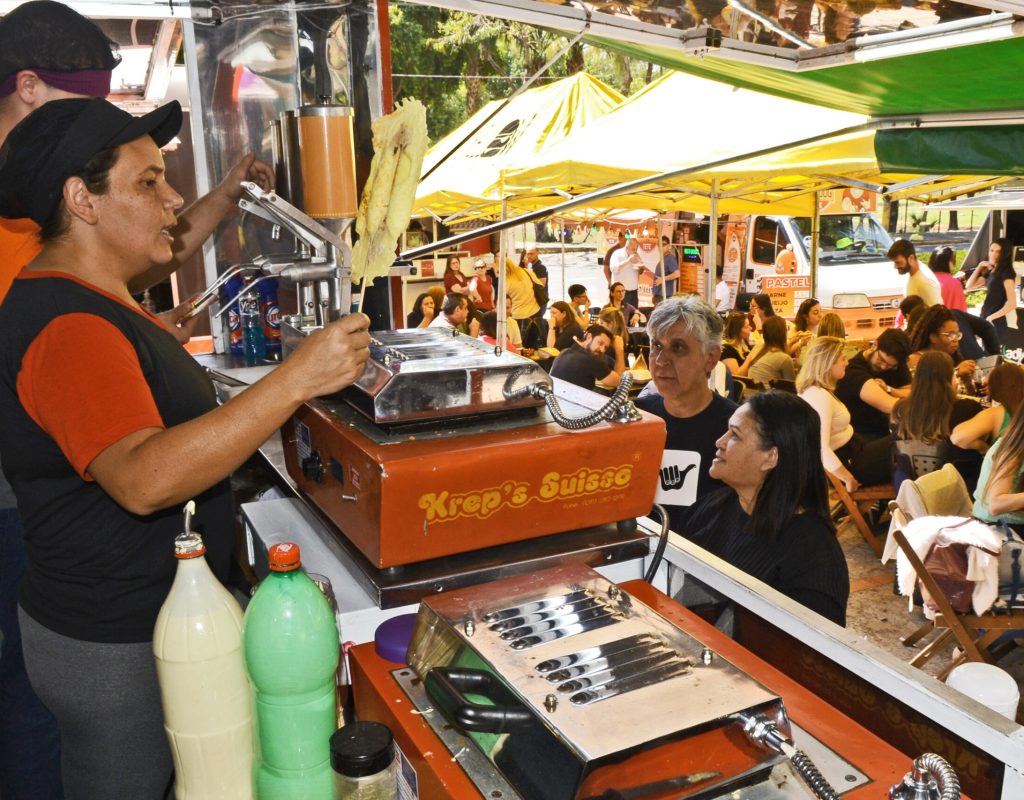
(783,385)
(941,493)
(974,634)
(750,387)
(857,502)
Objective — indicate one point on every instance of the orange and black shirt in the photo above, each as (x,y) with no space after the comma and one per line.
(80,369)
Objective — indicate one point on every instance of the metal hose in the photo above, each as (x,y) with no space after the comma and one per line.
(764,731)
(815,780)
(619,398)
(928,767)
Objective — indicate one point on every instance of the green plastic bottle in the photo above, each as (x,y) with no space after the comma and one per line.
(291,647)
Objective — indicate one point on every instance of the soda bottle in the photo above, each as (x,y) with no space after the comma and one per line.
(291,651)
(206,695)
(253,342)
(229,291)
(270,312)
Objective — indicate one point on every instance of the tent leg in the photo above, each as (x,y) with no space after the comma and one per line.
(711,266)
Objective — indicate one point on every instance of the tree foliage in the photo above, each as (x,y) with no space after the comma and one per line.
(461,61)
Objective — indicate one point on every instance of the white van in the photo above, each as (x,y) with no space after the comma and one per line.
(772,254)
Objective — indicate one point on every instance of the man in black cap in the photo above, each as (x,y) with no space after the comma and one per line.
(48,52)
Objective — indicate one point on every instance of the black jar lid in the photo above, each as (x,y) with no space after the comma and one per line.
(361,748)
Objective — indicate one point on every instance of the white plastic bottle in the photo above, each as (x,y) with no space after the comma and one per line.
(207,698)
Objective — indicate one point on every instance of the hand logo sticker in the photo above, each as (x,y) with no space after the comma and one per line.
(678,477)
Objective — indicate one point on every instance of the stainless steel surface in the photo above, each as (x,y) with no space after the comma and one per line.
(782,784)
(689,695)
(433,373)
(599,547)
(330,261)
(489,782)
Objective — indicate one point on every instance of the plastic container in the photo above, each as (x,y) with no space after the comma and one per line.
(207,699)
(363,758)
(254,342)
(291,652)
(988,684)
(270,313)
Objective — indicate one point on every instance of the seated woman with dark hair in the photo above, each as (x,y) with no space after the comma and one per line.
(921,424)
(563,328)
(423,312)
(937,329)
(772,521)
(735,344)
(770,362)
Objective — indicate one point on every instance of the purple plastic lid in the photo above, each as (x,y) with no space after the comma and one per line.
(391,640)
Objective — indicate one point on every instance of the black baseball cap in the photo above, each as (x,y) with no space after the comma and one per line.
(58,139)
(46,35)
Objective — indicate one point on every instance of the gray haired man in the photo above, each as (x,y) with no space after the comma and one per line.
(686,343)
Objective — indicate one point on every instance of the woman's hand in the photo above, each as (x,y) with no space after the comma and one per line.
(850,482)
(965,369)
(175,321)
(329,359)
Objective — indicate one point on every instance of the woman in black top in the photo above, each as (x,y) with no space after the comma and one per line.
(1000,283)
(772,521)
(563,328)
(422,313)
(735,347)
(100,479)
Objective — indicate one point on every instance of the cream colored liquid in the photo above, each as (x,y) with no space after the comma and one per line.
(207,698)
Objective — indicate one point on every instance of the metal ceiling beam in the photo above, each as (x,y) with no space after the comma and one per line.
(841,180)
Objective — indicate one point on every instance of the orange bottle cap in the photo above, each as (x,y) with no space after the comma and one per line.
(188,545)
(285,557)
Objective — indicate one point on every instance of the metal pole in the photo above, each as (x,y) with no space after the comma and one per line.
(561,288)
(711,267)
(503,309)
(815,235)
(661,252)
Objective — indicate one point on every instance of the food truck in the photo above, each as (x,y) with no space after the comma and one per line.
(449,484)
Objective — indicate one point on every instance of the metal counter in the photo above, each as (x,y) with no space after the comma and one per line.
(616,553)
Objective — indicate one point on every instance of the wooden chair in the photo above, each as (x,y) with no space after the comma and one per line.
(750,387)
(974,634)
(857,502)
(783,385)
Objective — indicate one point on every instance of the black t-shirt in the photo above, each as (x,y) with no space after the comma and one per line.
(995,297)
(805,562)
(564,340)
(728,351)
(867,420)
(539,270)
(579,366)
(689,450)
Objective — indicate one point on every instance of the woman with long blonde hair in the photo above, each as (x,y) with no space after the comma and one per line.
(844,453)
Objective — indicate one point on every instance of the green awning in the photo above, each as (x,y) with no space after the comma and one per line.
(967,150)
(978,77)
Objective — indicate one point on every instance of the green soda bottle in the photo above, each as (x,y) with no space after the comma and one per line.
(291,647)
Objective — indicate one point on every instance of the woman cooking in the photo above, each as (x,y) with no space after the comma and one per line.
(107,426)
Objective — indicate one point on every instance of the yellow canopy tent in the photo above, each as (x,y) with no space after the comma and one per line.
(535,120)
(686,125)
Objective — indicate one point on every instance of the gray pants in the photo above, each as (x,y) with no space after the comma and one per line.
(107,702)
